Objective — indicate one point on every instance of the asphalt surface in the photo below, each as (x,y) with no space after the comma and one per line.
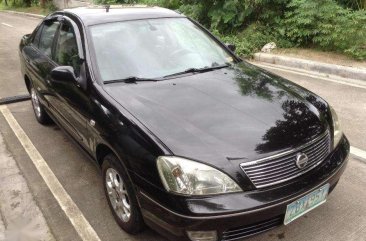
(342,217)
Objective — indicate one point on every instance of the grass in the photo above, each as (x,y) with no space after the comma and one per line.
(33,9)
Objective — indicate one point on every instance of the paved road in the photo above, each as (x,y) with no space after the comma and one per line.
(343,217)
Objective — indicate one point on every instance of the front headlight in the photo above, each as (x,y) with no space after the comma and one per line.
(188,177)
(337,132)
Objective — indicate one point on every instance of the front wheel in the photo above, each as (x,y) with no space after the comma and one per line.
(121,196)
(39,111)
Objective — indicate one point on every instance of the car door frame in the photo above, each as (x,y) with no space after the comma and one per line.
(44,86)
(30,69)
(77,121)
(37,80)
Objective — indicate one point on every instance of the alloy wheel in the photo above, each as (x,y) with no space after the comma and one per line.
(35,102)
(117,194)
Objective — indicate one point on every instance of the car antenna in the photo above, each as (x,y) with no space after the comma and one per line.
(107,8)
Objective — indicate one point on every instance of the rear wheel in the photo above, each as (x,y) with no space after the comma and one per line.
(121,196)
(39,111)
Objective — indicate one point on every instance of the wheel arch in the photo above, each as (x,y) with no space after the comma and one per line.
(102,151)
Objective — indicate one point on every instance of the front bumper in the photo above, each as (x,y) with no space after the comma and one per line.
(239,215)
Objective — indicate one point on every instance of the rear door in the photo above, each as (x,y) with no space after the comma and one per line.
(38,56)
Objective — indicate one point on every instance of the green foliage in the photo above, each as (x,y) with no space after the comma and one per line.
(327,25)
(17,3)
(309,20)
(50,6)
(194,11)
(307,23)
(252,39)
(232,15)
(354,4)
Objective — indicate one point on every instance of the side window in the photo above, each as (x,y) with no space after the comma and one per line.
(48,34)
(66,52)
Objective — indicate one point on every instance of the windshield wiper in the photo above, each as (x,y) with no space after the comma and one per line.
(130,79)
(198,70)
(134,79)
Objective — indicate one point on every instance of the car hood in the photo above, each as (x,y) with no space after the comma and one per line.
(233,115)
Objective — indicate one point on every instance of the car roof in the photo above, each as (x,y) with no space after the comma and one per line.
(99,14)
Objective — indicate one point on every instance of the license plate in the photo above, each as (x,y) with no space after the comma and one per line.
(305,204)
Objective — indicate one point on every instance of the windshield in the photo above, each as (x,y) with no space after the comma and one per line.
(153,48)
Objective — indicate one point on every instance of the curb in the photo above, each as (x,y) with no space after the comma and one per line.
(331,69)
(24,14)
(14,99)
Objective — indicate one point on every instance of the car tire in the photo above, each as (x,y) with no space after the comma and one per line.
(121,195)
(39,111)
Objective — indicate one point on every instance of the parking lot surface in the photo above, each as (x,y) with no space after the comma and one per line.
(342,217)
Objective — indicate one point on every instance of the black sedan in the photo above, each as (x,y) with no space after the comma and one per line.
(191,140)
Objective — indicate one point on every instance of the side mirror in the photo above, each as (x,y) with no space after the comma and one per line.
(25,39)
(232,47)
(63,74)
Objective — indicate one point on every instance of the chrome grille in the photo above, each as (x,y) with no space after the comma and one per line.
(282,167)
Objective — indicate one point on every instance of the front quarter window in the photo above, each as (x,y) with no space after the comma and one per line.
(66,52)
(153,48)
(47,36)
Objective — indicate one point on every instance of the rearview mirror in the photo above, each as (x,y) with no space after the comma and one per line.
(232,47)
(63,74)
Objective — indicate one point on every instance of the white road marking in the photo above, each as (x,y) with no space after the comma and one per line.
(334,80)
(77,219)
(8,25)
(358,152)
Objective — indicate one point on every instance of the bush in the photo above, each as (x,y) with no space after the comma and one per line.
(229,16)
(48,4)
(307,23)
(253,38)
(327,25)
(354,4)
(51,6)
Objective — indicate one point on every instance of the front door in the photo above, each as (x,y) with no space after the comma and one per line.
(73,99)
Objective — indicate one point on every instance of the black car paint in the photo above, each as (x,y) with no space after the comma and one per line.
(183,113)
(221,118)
